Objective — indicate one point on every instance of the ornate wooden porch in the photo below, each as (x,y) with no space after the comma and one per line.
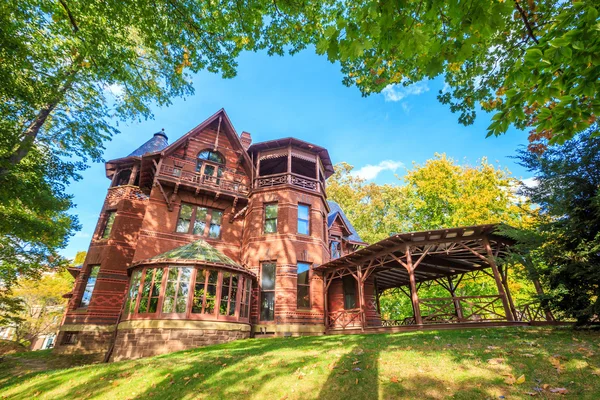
(444,257)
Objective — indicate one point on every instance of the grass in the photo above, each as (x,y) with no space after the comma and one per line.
(467,364)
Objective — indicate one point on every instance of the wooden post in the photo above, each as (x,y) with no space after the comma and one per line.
(317,175)
(413,288)
(377,296)
(455,301)
(540,292)
(497,278)
(504,275)
(325,297)
(361,297)
(134,172)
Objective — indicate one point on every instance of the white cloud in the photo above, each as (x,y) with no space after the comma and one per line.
(371,171)
(399,92)
(530,182)
(114,89)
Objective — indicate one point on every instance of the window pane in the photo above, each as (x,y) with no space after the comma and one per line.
(211,293)
(268,277)
(267,306)
(198,165)
(200,221)
(303,271)
(168,304)
(303,227)
(199,290)
(153,305)
(303,212)
(143,305)
(349,285)
(271,226)
(225,293)
(110,220)
(209,170)
(133,291)
(89,286)
(234,288)
(303,296)
(271,211)
(335,249)
(215,224)
(185,217)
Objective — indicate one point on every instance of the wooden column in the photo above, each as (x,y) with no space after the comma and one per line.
(361,298)
(289,164)
(498,279)
(377,296)
(504,275)
(134,172)
(540,292)
(414,297)
(455,301)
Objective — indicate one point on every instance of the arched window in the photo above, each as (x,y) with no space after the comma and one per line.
(211,165)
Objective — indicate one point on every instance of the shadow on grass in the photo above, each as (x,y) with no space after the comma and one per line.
(404,365)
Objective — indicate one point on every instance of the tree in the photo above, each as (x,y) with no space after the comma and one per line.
(439,194)
(535,64)
(563,248)
(71,70)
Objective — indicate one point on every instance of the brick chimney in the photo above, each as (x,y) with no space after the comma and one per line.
(246,139)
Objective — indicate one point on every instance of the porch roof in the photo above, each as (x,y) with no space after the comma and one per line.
(436,253)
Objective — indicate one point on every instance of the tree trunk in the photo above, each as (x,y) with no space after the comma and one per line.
(31,132)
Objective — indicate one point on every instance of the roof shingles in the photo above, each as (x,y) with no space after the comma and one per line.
(337,210)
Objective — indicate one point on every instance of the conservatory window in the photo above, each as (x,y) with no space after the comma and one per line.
(205,291)
(150,291)
(176,292)
(228,293)
(134,288)
(245,302)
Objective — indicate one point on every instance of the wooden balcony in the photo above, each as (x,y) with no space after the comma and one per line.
(289,179)
(200,181)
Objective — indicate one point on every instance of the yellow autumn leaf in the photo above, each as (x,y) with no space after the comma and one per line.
(520,379)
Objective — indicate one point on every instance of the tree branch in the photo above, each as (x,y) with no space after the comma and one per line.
(71,18)
(526,22)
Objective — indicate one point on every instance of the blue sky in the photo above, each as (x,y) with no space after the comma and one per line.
(302,96)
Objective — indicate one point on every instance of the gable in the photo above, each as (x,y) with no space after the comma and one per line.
(337,227)
(215,133)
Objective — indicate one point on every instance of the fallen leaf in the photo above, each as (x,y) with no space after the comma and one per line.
(495,361)
(355,362)
(357,381)
(520,379)
(493,347)
(559,390)
(394,379)
(510,380)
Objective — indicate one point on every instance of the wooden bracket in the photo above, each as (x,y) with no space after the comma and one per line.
(167,200)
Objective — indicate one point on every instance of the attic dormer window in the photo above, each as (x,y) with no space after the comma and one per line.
(211,165)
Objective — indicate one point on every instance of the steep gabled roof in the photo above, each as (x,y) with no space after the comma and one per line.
(158,142)
(336,211)
(229,131)
(198,252)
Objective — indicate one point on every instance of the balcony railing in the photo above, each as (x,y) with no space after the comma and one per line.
(288,179)
(196,179)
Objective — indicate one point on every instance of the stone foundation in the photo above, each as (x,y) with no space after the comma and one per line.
(137,339)
(84,339)
(289,329)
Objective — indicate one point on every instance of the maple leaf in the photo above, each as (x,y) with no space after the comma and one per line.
(394,379)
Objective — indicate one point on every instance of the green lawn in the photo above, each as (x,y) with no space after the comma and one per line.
(468,364)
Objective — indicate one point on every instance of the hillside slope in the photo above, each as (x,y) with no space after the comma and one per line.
(476,363)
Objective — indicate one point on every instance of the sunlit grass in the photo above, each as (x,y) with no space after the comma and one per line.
(467,364)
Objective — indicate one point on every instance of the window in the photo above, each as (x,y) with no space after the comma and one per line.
(303,221)
(271,218)
(349,284)
(134,288)
(335,249)
(150,291)
(200,221)
(110,220)
(303,285)
(176,292)
(69,338)
(228,293)
(205,291)
(267,294)
(211,173)
(245,302)
(89,286)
